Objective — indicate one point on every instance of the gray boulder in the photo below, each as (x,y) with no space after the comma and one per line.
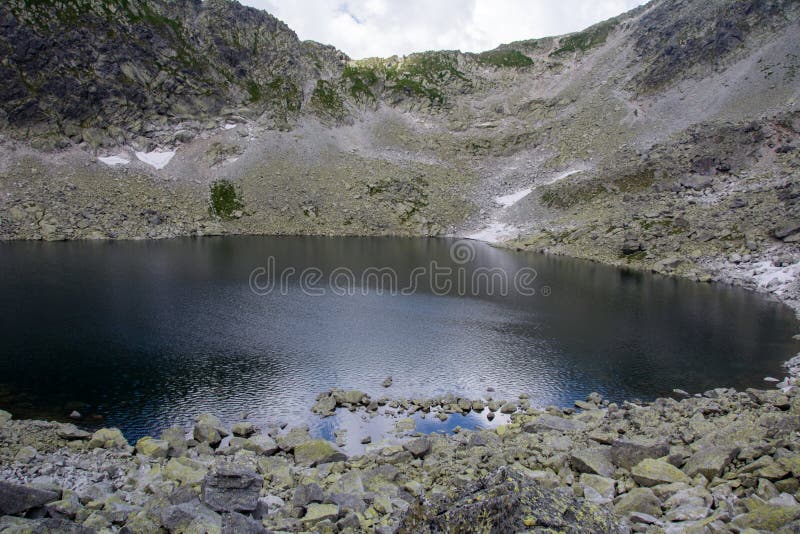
(15,499)
(628,453)
(231,488)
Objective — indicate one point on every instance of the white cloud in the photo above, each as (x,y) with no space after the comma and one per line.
(365,28)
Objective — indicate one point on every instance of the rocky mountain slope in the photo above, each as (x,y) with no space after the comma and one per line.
(663,138)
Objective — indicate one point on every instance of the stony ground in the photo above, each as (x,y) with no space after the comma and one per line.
(723,461)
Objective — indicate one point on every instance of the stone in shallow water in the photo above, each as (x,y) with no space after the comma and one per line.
(15,498)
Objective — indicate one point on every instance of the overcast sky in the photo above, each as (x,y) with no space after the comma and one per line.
(366,28)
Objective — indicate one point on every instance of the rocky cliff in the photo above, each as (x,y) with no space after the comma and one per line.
(663,138)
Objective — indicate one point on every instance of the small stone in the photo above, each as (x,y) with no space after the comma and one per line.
(75,415)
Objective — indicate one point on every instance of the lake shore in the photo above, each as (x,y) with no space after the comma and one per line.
(724,460)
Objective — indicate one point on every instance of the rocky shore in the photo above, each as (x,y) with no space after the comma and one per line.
(721,461)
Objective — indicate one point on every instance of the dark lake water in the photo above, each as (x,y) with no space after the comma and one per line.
(149,334)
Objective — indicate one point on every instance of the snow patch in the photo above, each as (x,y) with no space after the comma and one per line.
(156,159)
(230,126)
(767,276)
(509,200)
(495,233)
(111,161)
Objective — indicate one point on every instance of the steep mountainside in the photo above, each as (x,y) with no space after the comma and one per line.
(663,138)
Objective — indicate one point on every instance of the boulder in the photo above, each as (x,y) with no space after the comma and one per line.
(651,472)
(419,447)
(696,182)
(350,396)
(209,429)
(767,517)
(190,517)
(70,432)
(546,422)
(243,429)
(710,461)
(596,460)
(628,453)
(318,451)
(108,438)
(287,442)
(176,438)
(260,444)
(786,229)
(152,448)
(5,417)
(231,488)
(235,523)
(319,512)
(605,487)
(185,471)
(641,500)
(15,499)
(305,494)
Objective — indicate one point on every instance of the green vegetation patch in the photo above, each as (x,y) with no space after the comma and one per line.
(360,80)
(327,100)
(589,38)
(225,199)
(504,59)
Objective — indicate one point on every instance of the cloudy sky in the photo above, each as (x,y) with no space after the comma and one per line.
(366,28)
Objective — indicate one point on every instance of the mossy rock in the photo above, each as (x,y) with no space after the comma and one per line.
(225,200)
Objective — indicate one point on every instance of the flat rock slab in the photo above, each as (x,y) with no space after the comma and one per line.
(318,451)
(654,472)
(15,499)
(547,422)
(596,461)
